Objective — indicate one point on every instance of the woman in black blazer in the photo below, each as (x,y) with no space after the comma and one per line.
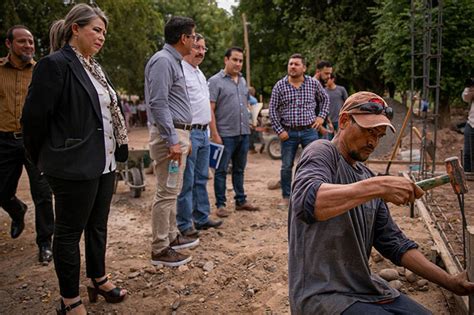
(75,132)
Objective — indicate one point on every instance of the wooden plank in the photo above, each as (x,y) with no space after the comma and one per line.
(470,262)
(451,268)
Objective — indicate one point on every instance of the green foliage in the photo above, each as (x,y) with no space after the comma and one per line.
(337,31)
(134,26)
(271,40)
(37,15)
(392,44)
(368,41)
(132,37)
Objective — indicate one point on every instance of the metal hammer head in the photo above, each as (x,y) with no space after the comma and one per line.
(456,175)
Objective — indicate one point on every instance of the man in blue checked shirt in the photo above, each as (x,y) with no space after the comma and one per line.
(298,107)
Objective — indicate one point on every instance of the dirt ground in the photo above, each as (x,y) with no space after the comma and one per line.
(240,268)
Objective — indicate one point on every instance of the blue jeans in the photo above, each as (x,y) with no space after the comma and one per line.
(468,148)
(401,305)
(193,202)
(235,149)
(288,152)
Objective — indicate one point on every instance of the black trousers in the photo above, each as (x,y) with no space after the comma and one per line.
(80,206)
(12,159)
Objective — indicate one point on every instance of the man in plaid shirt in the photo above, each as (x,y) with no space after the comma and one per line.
(298,107)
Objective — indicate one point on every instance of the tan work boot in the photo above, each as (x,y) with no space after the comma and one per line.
(221,212)
(284,204)
(247,206)
(274,184)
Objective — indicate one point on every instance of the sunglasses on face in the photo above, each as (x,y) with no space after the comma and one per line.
(375,108)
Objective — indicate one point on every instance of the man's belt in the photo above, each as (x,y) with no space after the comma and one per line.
(298,128)
(199,127)
(182,126)
(11,135)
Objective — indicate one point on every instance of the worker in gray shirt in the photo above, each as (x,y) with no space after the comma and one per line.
(338,212)
(230,127)
(337,96)
(169,113)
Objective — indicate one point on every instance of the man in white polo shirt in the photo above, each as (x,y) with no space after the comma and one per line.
(193,201)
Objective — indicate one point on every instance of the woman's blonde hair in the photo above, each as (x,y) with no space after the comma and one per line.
(81,14)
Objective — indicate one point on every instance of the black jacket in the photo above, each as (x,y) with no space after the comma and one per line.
(62,121)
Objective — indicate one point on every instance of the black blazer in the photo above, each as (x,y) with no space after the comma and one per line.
(62,121)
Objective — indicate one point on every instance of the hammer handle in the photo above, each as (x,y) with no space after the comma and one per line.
(431,183)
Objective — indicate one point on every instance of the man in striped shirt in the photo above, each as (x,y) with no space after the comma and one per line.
(298,107)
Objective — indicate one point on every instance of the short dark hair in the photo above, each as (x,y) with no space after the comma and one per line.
(177,26)
(323,63)
(229,51)
(199,36)
(299,56)
(15,27)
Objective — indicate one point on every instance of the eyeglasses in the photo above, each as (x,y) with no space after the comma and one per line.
(199,47)
(190,36)
(373,107)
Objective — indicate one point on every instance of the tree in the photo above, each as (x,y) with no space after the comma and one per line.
(337,31)
(37,15)
(133,30)
(271,40)
(135,27)
(392,44)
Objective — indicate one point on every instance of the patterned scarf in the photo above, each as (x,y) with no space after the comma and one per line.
(120,131)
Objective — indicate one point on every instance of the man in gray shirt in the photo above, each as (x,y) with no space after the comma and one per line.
(230,127)
(169,113)
(337,96)
(338,212)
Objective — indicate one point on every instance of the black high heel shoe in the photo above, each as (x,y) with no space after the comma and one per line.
(63,309)
(112,296)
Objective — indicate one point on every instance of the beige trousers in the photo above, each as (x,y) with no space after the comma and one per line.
(163,212)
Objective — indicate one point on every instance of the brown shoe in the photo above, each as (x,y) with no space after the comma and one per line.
(170,258)
(191,232)
(209,224)
(222,212)
(274,184)
(247,206)
(181,242)
(284,204)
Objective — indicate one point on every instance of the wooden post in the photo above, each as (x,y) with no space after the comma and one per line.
(470,262)
(451,267)
(247,50)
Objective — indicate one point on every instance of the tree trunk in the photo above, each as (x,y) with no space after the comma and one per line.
(444,112)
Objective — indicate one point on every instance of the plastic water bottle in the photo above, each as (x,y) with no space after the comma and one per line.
(173,172)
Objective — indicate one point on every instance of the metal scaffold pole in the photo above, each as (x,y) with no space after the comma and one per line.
(426,27)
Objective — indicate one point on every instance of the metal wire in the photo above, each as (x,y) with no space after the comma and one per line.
(433,209)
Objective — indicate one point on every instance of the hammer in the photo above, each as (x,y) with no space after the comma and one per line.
(455,176)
